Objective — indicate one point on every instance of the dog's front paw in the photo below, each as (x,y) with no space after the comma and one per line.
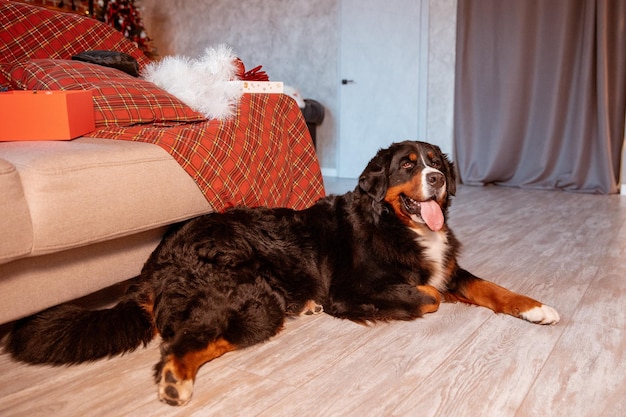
(541,315)
(172,389)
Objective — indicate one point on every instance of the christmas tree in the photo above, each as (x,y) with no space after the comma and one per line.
(124,16)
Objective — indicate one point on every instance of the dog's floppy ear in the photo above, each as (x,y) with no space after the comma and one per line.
(450,175)
(374,179)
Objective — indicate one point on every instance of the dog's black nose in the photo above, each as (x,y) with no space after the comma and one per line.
(435,179)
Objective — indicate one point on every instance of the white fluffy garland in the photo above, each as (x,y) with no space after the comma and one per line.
(205,84)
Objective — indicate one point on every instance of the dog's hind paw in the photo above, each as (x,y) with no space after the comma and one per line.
(541,315)
(172,390)
(311,307)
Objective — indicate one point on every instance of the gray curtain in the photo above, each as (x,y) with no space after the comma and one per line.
(540,94)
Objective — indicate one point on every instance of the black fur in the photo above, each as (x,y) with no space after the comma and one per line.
(238,274)
(112,59)
(69,334)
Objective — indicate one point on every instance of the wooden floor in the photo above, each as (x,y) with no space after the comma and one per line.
(566,249)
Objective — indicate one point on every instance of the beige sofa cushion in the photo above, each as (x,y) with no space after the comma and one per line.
(15,224)
(29,285)
(90,190)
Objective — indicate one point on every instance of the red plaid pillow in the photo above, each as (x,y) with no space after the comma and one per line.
(5,81)
(30,32)
(119,99)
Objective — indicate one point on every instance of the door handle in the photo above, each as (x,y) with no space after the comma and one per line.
(344,81)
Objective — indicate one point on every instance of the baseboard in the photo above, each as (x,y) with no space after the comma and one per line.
(623,189)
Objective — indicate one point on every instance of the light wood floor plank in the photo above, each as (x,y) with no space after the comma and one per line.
(375,377)
(488,375)
(585,375)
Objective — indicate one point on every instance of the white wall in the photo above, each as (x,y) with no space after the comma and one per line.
(441,62)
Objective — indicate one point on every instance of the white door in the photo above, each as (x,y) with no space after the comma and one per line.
(382,94)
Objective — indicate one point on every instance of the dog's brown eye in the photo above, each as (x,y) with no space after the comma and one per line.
(408,165)
(436,164)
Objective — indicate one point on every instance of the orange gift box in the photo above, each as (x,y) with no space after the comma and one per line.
(45,115)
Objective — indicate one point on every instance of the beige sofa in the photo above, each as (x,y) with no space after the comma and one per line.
(82,215)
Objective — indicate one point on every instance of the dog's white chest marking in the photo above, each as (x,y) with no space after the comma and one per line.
(435,245)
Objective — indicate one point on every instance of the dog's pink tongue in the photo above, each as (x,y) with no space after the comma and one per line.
(432,215)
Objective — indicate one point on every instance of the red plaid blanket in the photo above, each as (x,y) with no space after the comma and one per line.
(262,157)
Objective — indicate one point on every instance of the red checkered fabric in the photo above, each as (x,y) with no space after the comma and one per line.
(119,99)
(5,82)
(262,157)
(33,32)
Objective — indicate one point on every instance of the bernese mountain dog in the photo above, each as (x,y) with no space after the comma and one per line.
(226,281)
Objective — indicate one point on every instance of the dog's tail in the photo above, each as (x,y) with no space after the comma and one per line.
(68,334)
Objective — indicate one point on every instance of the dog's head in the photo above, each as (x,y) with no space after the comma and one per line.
(415,178)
